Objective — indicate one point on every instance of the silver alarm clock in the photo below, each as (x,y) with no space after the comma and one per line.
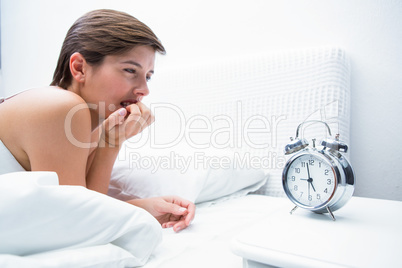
(318,179)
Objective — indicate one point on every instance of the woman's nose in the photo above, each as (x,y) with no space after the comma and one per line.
(142,89)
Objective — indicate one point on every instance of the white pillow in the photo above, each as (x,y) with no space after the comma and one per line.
(234,181)
(197,183)
(37,215)
(127,183)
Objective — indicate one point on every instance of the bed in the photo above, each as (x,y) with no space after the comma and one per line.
(218,141)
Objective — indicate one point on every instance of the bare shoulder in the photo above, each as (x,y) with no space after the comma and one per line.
(46,98)
(44,103)
(40,118)
(41,98)
(42,108)
(53,107)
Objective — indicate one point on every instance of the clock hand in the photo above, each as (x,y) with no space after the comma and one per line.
(310,180)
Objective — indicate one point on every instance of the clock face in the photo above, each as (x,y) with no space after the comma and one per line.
(310,180)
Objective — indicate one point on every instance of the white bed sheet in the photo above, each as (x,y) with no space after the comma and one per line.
(206,243)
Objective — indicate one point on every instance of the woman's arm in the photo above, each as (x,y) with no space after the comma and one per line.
(101,161)
(100,169)
(119,126)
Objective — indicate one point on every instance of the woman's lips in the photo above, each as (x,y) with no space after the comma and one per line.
(127,103)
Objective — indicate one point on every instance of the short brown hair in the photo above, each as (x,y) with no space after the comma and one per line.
(100,33)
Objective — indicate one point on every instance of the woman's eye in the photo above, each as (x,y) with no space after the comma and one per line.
(148,78)
(131,71)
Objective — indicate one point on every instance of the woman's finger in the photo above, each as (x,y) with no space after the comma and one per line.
(145,113)
(116,118)
(139,118)
(187,207)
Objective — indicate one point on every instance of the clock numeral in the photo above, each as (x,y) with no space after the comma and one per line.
(295,188)
(301,194)
(297,170)
(303,164)
(326,172)
(293,178)
(326,190)
(329,182)
(311,162)
(310,197)
(318,196)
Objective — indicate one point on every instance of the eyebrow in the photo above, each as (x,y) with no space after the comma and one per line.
(136,64)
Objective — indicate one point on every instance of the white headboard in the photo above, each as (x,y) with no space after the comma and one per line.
(247,107)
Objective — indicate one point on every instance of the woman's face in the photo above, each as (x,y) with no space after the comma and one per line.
(119,81)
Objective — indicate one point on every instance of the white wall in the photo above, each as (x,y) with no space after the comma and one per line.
(369,30)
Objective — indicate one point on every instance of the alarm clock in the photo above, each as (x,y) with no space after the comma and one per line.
(318,179)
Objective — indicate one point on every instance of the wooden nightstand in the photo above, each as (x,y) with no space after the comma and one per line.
(367,233)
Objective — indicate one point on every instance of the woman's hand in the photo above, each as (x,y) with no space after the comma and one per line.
(170,211)
(125,123)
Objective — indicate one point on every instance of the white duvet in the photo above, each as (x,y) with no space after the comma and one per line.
(43,224)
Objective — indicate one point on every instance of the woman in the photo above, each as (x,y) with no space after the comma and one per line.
(76,126)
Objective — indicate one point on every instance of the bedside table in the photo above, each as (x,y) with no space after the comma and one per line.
(367,233)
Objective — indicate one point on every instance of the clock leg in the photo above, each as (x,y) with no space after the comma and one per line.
(330,213)
(293,209)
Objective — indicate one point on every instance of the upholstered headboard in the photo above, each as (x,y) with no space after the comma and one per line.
(245,108)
